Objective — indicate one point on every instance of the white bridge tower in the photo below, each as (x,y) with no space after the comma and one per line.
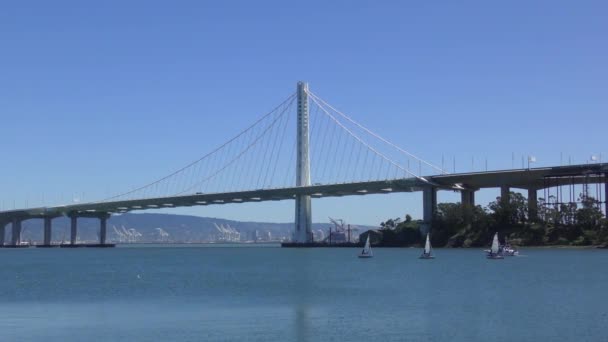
(303,218)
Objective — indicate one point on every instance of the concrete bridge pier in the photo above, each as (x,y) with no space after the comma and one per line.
(505,194)
(73,229)
(47,230)
(533,204)
(467,197)
(606,194)
(2,232)
(429,206)
(103,220)
(16,236)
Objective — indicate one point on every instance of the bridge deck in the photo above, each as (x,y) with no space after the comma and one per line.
(535,178)
(315,191)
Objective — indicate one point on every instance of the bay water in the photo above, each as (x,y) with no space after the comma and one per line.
(268,293)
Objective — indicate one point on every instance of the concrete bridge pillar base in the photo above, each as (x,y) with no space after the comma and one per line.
(467,197)
(532,204)
(606,194)
(303,220)
(103,229)
(73,229)
(467,200)
(505,194)
(429,206)
(16,236)
(2,232)
(47,230)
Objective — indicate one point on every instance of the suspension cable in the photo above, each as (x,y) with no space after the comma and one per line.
(315,97)
(361,141)
(288,99)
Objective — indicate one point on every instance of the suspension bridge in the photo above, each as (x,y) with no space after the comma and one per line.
(265,163)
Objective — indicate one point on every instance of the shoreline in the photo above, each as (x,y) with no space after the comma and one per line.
(351,245)
(292,245)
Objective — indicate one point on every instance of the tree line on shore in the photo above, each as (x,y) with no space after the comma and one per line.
(550,223)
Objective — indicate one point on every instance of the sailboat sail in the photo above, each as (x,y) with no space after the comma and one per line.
(366,247)
(494,248)
(427,245)
(367,250)
(426,253)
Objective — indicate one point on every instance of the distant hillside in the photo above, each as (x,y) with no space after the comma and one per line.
(154,227)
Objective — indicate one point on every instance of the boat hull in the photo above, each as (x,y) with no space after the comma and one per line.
(365,256)
(423,256)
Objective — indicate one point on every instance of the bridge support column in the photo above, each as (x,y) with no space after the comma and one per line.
(47,230)
(429,206)
(505,194)
(467,197)
(73,229)
(303,217)
(606,194)
(103,229)
(2,233)
(532,204)
(16,236)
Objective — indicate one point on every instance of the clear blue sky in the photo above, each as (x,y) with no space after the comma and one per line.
(97,97)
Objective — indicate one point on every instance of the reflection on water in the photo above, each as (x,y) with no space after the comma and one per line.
(302,323)
(301,293)
(273,294)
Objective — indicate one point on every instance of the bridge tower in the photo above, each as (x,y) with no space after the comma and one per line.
(303,219)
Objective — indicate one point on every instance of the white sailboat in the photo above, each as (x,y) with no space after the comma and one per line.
(495,252)
(426,254)
(367,250)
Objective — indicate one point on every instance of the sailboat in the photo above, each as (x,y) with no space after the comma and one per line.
(367,250)
(426,254)
(507,250)
(495,252)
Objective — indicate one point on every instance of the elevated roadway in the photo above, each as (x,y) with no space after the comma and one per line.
(467,183)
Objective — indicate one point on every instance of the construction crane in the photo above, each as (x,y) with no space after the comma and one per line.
(341,232)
